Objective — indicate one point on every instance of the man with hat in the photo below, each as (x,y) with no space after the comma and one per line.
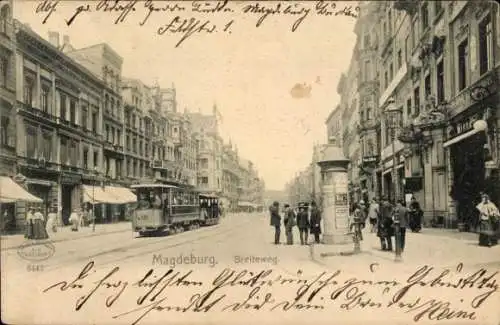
(289,222)
(315,222)
(303,223)
(275,221)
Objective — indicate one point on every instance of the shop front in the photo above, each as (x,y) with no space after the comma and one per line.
(472,144)
(70,195)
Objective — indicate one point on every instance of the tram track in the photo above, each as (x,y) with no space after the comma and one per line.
(210,232)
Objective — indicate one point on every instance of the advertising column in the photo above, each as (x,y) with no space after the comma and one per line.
(336,207)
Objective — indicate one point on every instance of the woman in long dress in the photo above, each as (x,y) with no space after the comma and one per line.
(488,221)
(75,220)
(39,231)
(52,221)
(29,224)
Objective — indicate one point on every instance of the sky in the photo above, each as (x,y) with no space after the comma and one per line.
(273,87)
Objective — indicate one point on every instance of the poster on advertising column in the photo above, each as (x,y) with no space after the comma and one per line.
(341,200)
(328,208)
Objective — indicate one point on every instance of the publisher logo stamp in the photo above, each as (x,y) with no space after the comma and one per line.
(36,251)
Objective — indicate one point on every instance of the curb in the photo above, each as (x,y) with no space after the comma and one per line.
(71,238)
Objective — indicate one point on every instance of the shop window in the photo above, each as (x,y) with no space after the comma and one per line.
(463,64)
(485,45)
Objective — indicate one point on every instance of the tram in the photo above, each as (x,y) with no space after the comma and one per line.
(173,209)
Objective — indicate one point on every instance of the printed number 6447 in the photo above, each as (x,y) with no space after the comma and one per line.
(35,268)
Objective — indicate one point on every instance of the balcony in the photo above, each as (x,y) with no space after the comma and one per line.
(409,6)
(28,110)
(161,164)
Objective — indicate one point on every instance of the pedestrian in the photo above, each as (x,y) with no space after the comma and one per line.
(373,214)
(315,222)
(416,215)
(289,221)
(384,225)
(38,223)
(401,213)
(52,221)
(303,224)
(275,221)
(488,221)
(357,217)
(29,223)
(75,220)
(83,217)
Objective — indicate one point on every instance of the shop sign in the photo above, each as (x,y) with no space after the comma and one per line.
(369,159)
(462,126)
(67,178)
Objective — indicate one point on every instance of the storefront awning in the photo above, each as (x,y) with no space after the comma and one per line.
(96,195)
(122,195)
(10,192)
(478,126)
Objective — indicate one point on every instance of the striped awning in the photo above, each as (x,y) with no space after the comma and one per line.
(11,192)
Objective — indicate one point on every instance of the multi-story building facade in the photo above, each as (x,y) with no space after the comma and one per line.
(438,63)
(59,118)
(230,176)
(7,90)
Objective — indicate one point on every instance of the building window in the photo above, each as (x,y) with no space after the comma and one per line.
(366,41)
(416,100)
(4,18)
(96,159)
(425,16)
(438,7)
(5,131)
(85,114)
(63,107)
(134,145)
(440,82)
(128,143)
(74,153)
(415,34)
(400,59)
(408,107)
(86,158)
(463,64)
(29,87)
(407,48)
(95,119)
(118,138)
(146,150)
(390,22)
(367,70)
(47,145)
(45,98)
(427,86)
(72,111)
(64,151)
(485,45)
(391,72)
(31,141)
(386,80)
(368,113)
(3,71)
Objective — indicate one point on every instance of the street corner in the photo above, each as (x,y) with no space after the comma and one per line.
(36,250)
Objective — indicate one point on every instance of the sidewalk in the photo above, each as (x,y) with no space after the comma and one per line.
(8,242)
(439,247)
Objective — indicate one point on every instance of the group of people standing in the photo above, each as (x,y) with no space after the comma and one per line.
(37,227)
(308,220)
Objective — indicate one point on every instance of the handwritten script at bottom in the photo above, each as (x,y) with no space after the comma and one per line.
(420,295)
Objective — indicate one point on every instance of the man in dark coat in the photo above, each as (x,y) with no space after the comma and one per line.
(401,213)
(315,222)
(275,221)
(303,224)
(385,230)
(289,221)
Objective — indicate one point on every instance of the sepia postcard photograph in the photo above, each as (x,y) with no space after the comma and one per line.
(249,162)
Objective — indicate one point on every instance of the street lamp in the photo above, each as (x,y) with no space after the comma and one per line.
(392,115)
(96,173)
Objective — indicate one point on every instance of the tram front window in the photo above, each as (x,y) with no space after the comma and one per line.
(149,199)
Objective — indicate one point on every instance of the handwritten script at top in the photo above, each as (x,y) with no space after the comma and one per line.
(186,18)
(160,291)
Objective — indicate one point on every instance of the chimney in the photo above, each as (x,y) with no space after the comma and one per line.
(54,38)
(66,40)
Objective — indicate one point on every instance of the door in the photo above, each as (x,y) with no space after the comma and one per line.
(66,203)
